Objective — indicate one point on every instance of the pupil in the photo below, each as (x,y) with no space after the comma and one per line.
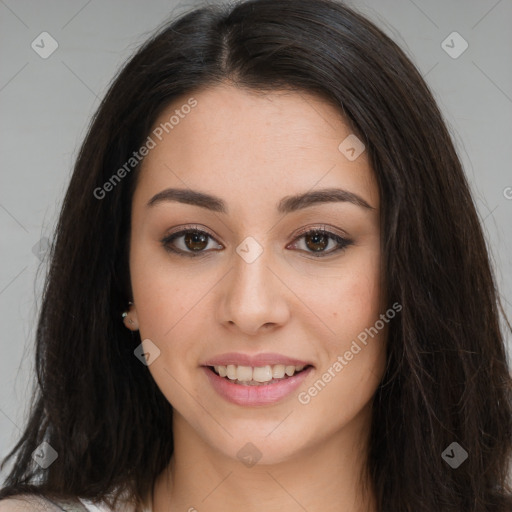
(196,241)
(317,239)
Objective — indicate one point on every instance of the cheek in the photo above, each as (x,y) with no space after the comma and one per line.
(355,357)
(361,302)
(351,299)
(164,297)
(168,312)
(351,306)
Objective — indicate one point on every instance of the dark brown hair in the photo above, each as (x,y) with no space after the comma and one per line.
(447,378)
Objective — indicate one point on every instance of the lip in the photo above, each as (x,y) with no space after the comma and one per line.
(257,360)
(256,395)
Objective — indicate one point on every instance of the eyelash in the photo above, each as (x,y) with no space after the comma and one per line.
(343,242)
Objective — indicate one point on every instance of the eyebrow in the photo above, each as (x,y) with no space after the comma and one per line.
(287,204)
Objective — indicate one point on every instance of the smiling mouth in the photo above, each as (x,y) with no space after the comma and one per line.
(257,376)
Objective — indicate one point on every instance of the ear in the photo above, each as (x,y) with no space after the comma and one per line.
(130,320)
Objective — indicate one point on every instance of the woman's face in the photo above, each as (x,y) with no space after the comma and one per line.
(283,274)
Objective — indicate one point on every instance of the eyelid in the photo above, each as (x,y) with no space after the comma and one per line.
(343,240)
(190,227)
(181,231)
(321,228)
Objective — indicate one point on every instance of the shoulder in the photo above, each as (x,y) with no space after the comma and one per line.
(34,503)
(26,503)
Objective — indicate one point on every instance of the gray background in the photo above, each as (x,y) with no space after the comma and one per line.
(46,105)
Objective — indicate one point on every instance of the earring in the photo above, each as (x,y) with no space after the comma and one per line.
(125,313)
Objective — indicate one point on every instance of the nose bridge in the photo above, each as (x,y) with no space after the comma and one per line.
(251,274)
(251,278)
(254,296)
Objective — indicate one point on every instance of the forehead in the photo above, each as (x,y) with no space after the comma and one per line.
(242,142)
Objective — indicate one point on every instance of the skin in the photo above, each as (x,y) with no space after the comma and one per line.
(251,150)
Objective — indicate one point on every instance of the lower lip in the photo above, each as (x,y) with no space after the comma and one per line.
(255,395)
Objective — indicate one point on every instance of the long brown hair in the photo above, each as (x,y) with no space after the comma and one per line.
(447,378)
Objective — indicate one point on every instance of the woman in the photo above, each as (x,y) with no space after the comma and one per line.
(269,287)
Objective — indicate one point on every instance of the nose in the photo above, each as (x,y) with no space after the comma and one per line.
(253,298)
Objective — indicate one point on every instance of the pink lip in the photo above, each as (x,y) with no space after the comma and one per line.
(254,361)
(255,395)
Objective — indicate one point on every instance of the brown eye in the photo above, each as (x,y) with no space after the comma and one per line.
(317,241)
(320,242)
(195,241)
(190,242)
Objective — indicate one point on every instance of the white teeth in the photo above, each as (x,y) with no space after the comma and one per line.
(289,370)
(244,373)
(278,371)
(262,374)
(257,374)
(231,372)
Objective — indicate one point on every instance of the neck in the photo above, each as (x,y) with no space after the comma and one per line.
(324,477)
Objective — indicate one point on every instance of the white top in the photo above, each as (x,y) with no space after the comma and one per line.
(91,507)
(31,503)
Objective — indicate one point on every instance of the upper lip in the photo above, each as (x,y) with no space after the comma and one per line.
(255,361)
